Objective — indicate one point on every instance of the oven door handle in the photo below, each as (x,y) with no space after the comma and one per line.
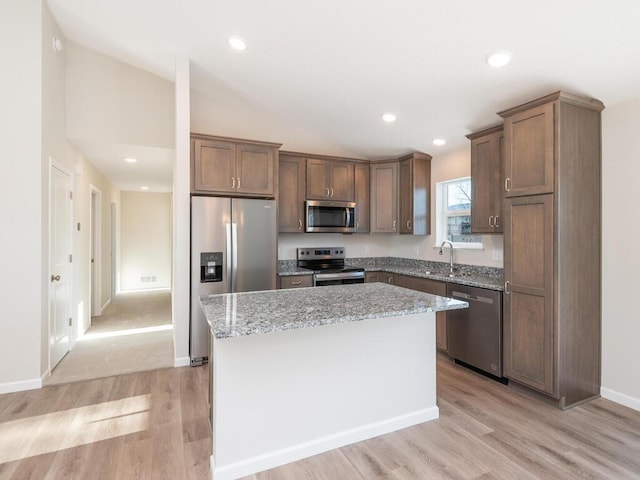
(337,276)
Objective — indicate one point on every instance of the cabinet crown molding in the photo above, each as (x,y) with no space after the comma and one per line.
(565,97)
(204,136)
(486,131)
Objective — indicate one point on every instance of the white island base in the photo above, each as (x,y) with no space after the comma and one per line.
(283,396)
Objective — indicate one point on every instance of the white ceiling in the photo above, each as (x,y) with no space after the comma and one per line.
(333,67)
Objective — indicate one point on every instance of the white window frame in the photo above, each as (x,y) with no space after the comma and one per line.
(441,215)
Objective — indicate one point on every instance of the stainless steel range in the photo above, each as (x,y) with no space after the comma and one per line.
(328,266)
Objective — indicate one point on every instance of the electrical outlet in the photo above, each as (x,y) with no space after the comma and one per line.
(497,255)
(417,250)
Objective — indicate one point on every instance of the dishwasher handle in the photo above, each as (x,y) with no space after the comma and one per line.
(468,296)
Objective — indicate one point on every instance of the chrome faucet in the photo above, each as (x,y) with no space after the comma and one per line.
(441,252)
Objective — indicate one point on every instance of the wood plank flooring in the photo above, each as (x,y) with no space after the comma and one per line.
(154,425)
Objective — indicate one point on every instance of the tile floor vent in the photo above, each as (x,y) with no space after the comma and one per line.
(147,279)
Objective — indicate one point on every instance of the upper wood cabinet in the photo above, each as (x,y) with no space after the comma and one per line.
(486,180)
(552,262)
(362,197)
(233,167)
(384,197)
(414,193)
(291,187)
(529,151)
(330,180)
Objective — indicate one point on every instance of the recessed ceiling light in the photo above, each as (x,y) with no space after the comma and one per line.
(144,188)
(130,160)
(499,59)
(237,43)
(389,117)
(439,141)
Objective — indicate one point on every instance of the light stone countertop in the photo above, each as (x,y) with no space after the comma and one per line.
(256,313)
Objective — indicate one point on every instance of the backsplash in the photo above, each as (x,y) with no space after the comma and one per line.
(372,263)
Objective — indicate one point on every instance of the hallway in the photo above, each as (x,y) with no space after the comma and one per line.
(133,334)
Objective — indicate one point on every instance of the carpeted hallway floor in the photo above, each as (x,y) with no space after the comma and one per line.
(133,334)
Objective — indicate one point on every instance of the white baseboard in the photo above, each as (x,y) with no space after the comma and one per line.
(621,398)
(307,449)
(21,386)
(181,362)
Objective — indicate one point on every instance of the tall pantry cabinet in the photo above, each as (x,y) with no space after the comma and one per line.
(552,309)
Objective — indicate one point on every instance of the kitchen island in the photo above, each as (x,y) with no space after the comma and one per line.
(299,372)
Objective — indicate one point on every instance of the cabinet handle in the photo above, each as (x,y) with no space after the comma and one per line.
(506,184)
(299,224)
(328,192)
(238,182)
(297,282)
(408,224)
(331,192)
(491,224)
(506,288)
(233,182)
(357,225)
(495,223)
(393,224)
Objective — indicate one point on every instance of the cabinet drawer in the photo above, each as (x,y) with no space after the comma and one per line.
(296,281)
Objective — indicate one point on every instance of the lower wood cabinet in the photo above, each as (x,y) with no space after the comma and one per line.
(295,281)
(383,277)
(435,288)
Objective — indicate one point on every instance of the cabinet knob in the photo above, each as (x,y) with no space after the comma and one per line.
(55,278)
(506,184)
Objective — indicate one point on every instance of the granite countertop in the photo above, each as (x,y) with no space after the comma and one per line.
(255,313)
(474,276)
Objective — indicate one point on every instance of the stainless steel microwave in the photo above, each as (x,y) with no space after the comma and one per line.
(325,216)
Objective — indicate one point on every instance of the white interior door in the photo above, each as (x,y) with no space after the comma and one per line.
(60,265)
(96,250)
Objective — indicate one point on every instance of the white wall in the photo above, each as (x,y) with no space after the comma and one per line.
(447,167)
(181,217)
(110,101)
(21,195)
(620,255)
(145,240)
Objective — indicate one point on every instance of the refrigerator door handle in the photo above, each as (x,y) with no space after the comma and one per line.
(234,257)
(229,256)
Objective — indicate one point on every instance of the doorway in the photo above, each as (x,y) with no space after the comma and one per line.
(95,248)
(60,245)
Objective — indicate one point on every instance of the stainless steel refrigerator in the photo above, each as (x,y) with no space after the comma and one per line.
(233,249)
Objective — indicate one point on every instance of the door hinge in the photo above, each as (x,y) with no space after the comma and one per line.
(70,258)
(70,321)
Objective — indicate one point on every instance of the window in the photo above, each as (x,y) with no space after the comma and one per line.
(453,204)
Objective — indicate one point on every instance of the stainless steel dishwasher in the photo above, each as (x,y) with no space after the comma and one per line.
(475,333)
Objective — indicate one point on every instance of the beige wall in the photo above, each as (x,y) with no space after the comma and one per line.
(86,176)
(22,283)
(145,240)
(110,101)
(620,255)
(448,167)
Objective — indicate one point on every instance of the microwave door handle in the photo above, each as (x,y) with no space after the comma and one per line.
(348,214)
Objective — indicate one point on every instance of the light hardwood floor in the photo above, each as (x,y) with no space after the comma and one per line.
(154,425)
